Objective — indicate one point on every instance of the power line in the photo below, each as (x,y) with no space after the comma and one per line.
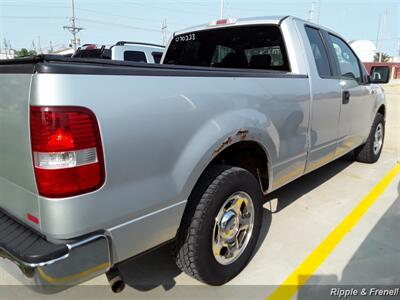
(85,20)
(122,16)
(85,10)
(163,8)
(33,6)
(35,17)
(118,24)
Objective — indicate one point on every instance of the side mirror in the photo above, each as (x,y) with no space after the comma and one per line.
(379,74)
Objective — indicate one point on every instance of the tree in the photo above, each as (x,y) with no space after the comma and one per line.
(25,52)
(385,57)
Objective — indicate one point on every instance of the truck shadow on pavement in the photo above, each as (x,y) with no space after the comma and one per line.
(291,192)
(157,267)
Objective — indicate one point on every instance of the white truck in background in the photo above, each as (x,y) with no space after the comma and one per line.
(122,50)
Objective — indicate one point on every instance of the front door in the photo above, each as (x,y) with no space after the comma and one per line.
(357,99)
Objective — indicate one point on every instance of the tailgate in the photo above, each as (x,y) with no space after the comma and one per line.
(18,192)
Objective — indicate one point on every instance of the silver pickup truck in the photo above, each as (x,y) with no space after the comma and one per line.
(103,160)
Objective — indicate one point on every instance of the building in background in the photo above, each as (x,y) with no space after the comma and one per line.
(365,50)
(395,59)
(6,55)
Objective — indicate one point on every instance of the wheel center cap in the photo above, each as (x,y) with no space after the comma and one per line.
(229,225)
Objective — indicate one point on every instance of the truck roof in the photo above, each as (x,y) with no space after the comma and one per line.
(123,43)
(252,21)
(239,21)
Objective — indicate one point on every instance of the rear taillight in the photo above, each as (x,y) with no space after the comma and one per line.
(67,151)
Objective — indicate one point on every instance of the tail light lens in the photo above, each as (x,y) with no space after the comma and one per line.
(67,151)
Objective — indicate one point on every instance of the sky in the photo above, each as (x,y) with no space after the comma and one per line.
(108,21)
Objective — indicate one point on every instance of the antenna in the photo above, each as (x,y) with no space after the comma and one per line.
(5,47)
(73,29)
(221,16)
(164,31)
(34,46)
(39,46)
(381,33)
(314,11)
(398,46)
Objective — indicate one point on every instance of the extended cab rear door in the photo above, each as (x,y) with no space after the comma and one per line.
(326,98)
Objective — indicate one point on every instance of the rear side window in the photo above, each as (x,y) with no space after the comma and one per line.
(247,47)
(157,56)
(319,52)
(137,56)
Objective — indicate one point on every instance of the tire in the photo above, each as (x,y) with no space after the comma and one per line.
(194,252)
(367,153)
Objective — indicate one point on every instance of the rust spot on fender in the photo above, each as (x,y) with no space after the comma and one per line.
(223,145)
(242,134)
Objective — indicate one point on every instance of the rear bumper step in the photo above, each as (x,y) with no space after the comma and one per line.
(51,266)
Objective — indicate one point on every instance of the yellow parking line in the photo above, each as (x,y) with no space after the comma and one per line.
(305,270)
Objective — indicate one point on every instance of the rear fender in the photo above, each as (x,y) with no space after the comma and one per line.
(218,134)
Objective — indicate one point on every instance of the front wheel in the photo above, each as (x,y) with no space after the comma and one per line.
(221,225)
(372,149)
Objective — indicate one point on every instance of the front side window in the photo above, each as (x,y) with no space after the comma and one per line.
(137,56)
(319,52)
(247,47)
(348,62)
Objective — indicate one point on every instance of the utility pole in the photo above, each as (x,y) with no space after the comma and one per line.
(221,16)
(164,31)
(73,29)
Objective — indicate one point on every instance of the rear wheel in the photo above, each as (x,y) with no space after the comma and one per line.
(372,149)
(220,226)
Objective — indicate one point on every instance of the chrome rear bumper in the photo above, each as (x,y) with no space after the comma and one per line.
(85,259)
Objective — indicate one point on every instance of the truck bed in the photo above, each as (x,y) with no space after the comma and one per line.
(56,64)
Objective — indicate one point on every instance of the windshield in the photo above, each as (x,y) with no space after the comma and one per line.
(250,47)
